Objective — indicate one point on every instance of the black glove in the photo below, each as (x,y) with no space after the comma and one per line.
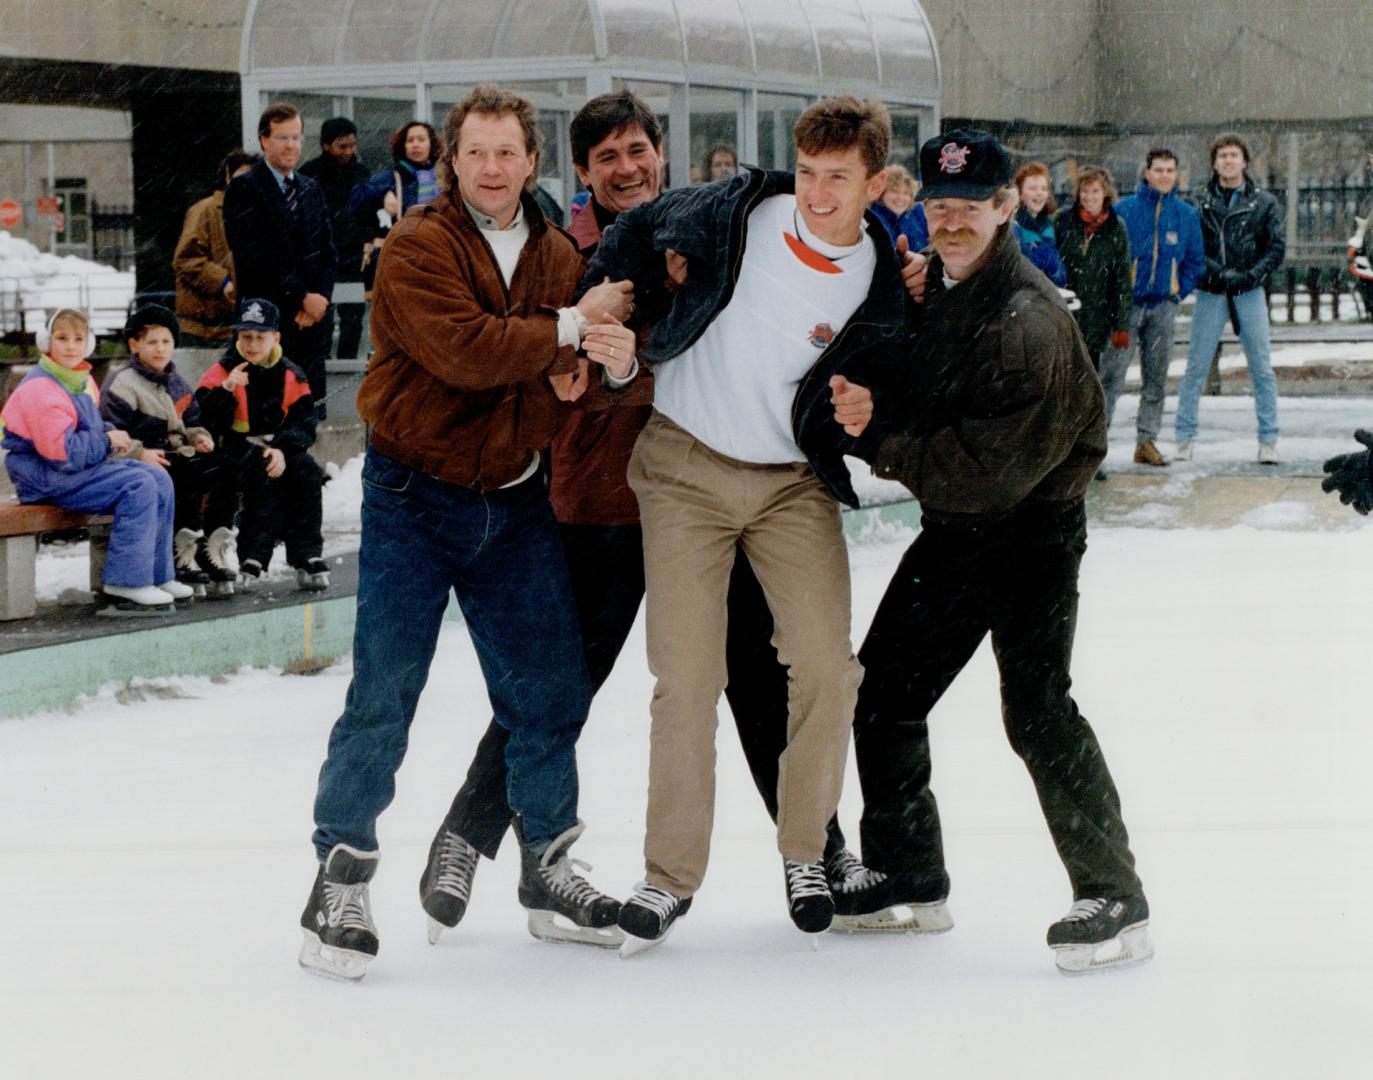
(1352,475)
(1233,281)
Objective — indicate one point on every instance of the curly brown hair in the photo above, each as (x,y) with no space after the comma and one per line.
(402,133)
(490,100)
(1035,168)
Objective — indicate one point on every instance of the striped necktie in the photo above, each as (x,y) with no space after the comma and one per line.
(292,194)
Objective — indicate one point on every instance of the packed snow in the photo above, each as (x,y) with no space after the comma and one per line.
(157,856)
(36,283)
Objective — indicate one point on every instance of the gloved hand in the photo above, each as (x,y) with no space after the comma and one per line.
(1233,281)
(1120,339)
(1352,475)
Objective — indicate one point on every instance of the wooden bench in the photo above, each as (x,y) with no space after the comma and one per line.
(22,526)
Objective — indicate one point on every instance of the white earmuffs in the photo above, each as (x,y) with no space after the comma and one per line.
(42,338)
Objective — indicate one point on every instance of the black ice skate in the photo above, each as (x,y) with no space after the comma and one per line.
(250,575)
(842,865)
(872,902)
(313,576)
(1098,934)
(562,905)
(648,916)
(808,896)
(340,937)
(446,884)
(212,556)
(188,571)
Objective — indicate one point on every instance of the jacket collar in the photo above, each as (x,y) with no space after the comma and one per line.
(985,283)
(585,227)
(71,379)
(451,205)
(162,377)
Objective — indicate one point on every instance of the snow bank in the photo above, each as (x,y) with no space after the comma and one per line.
(34,283)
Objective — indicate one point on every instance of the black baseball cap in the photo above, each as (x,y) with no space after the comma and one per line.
(963,164)
(257,314)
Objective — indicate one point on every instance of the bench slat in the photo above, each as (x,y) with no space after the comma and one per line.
(30,519)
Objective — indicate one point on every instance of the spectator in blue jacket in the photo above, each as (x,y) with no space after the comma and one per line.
(1168,260)
(411,179)
(1033,223)
(898,211)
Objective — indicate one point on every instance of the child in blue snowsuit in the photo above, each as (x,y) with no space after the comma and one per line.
(59,450)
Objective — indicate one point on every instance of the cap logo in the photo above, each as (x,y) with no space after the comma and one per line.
(953,158)
(254,313)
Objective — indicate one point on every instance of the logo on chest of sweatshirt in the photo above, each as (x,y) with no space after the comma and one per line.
(822,335)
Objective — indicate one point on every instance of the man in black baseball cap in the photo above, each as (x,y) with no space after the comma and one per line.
(998,435)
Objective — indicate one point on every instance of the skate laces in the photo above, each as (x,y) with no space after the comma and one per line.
(1083,910)
(563,879)
(348,906)
(457,866)
(843,866)
(217,549)
(659,901)
(806,879)
(865,878)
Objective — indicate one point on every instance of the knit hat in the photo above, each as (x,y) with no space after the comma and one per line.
(152,315)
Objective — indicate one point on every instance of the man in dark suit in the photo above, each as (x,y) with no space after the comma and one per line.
(277,223)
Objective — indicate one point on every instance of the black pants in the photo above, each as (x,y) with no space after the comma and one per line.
(606,564)
(288,508)
(206,489)
(309,348)
(1017,579)
(349,329)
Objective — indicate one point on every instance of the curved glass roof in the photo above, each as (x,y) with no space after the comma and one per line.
(884,44)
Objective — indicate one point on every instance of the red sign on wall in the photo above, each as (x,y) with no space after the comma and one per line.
(48,204)
(10,214)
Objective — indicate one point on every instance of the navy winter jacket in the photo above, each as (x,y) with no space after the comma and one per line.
(1038,243)
(912,224)
(1165,245)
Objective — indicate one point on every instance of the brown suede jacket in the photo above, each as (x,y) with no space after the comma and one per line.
(1003,404)
(458,386)
(201,262)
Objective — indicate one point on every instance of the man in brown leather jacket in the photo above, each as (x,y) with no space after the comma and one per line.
(469,322)
(998,435)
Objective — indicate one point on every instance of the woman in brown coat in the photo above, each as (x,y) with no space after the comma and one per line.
(204,266)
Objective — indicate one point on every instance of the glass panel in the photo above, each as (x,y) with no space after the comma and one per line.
(781,34)
(777,116)
(297,33)
(846,50)
(714,132)
(907,129)
(547,28)
(643,29)
(461,30)
(716,34)
(905,45)
(378,112)
(314,110)
(381,32)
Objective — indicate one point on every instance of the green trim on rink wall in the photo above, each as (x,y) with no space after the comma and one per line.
(298,635)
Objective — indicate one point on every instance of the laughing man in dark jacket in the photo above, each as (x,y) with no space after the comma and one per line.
(1000,433)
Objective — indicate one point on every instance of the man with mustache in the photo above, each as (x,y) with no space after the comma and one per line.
(998,433)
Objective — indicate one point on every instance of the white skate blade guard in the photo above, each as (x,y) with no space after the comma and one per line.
(345,965)
(897,919)
(1131,947)
(548,926)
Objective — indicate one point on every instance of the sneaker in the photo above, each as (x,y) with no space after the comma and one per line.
(649,915)
(340,937)
(250,573)
(1268,454)
(1183,450)
(563,905)
(808,896)
(313,576)
(446,884)
(1100,933)
(872,901)
(1146,453)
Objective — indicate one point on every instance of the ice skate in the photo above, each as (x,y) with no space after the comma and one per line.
(123,602)
(874,902)
(249,575)
(313,576)
(177,590)
(648,916)
(212,556)
(340,937)
(840,866)
(446,884)
(808,896)
(563,906)
(188,571)
(1100,934)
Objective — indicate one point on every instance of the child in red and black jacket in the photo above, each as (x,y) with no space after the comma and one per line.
(257,404)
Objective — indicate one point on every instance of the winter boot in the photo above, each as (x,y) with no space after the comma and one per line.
(212,556)
(1102,933)
(872,901)
(126,602)
(313,576)
(808,896)
(446,884)
(648,916)
(562,905)
(188,571)
(340,937)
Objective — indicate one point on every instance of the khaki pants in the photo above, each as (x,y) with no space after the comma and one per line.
(696,506)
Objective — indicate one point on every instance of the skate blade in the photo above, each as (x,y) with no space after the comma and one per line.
(127,609)
(898,919)
(549,926)
(219,590)
(633,946)
(344,965)
(1130,948)
(435,930)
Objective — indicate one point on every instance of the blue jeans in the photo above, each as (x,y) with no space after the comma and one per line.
(1208,322)
(501,554)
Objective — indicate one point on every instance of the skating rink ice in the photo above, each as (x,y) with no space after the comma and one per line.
(155,858)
